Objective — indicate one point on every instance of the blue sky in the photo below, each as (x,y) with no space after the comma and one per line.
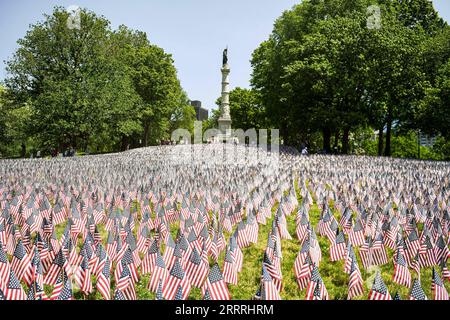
(194,31)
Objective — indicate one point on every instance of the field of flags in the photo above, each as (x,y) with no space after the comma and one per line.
(176,223)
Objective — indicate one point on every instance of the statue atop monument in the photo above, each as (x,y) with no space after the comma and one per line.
(225,56)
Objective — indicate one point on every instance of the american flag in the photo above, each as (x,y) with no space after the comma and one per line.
(444,270)
(379,290)
(302,225)
(159,295)
(149,260)
(119,295)
(437,287)
(215,285)
(302,266)
(83,275)
(337,249)
(413,243)
(230,274)
(128,259)
(14,290)
(402,275)
(104,277)
(372,253)
(35,273)
(196,269)
(427,256)
(417,292)
(125,283)
(274,271)
(441,251)
(236,252)
(4,266)
(316,282)
(355,283)
(21,261)
(36,292)
(177,277)
(159,273)
(268,288)
(59,263)
(3,239)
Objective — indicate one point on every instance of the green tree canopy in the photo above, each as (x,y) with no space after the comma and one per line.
(93,86)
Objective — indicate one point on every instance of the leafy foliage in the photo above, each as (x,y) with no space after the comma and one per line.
(323,70)
(94,87)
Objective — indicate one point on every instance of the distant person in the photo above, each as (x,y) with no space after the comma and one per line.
(305,151)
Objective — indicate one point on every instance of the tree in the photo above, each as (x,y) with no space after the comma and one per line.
(183,116)
(155,80)
(416,14)
(14,126)
(309,71)
(245,109)
(68,78)
(435,107)
(322,69)
(95,87)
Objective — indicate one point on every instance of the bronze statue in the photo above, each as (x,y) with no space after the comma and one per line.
(225,56)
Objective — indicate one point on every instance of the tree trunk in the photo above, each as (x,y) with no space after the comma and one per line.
(326,139)
(345,140)
(336,139)
(124,143)
(380,141)
(387,150)
(284,133)
(145,138)
(23,152)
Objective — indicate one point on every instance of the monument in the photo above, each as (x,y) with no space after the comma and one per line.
(224,120)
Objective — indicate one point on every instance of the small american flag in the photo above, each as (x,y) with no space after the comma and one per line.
(176,277)
(379,290)
(196,270)
(302,266)
(355,284)
(14,290)
(59,263)
(230,274)
(104,278)
(417,292)
(118,295)
(314,283)
(159,273)
(438,288)
(402,275)
(215,285)
(338,248)
(21,261)
(4,265)
(268,289)
(83,275)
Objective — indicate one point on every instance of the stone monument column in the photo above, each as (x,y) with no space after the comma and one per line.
(224,120)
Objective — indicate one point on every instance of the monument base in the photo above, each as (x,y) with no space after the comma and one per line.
(224,126)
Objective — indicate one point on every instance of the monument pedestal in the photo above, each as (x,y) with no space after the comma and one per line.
(224,127)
